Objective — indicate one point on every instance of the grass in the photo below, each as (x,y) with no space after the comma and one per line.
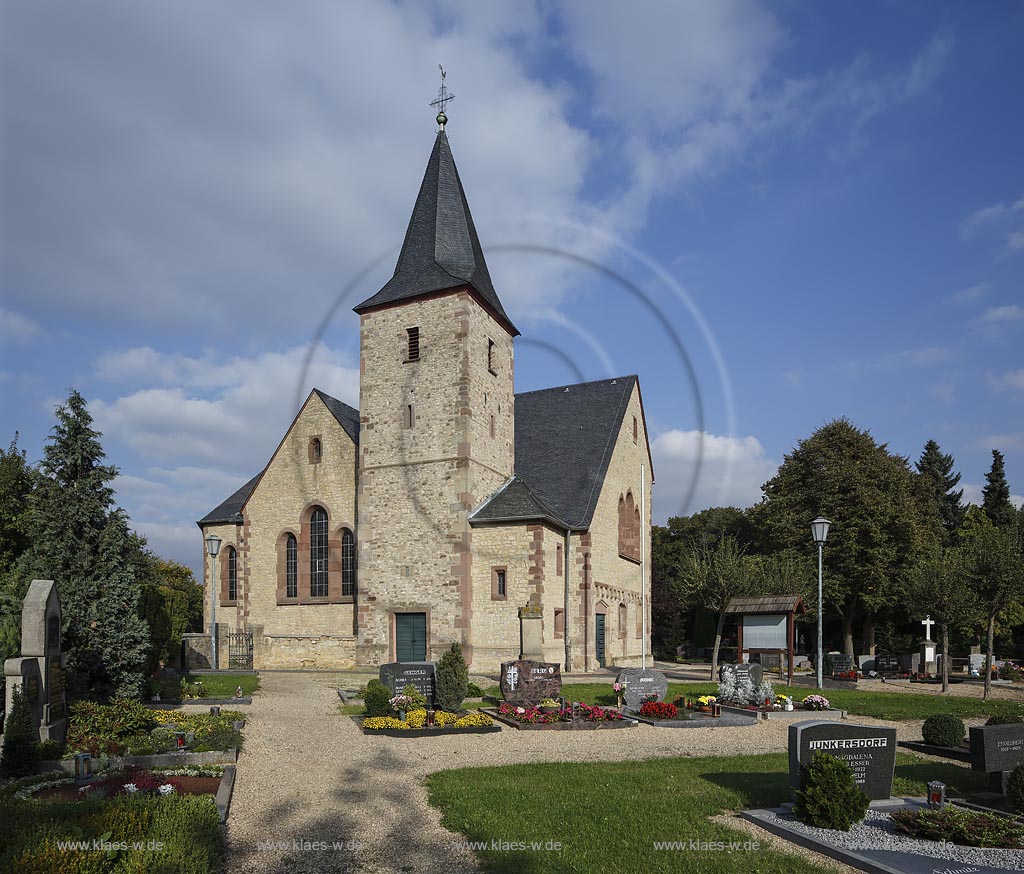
(607,816)
(224,685)
(895,706)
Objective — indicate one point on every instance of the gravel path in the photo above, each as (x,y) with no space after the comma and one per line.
(308,774)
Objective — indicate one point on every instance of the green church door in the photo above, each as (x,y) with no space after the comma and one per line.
(411,637)
(599,637)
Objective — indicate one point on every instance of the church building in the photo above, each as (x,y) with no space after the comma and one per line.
(447,507)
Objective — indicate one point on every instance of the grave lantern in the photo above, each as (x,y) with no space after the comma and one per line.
(214,710)
(716,709)
(430,718)
(936,794)
(83,767)
(179,739)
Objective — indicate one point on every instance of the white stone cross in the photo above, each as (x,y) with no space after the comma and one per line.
(928,622)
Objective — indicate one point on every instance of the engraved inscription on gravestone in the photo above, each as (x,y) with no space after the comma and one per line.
(997,747)
(869,750)
(839,663)
(750,669)
(420,675)
(525,682)
(639,684)
(887,663)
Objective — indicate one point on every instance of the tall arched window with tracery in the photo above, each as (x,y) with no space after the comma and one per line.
(348,563)
(291,567)
(232,574)
(318,549)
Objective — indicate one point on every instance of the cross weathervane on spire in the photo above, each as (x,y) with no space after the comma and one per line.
(443,98)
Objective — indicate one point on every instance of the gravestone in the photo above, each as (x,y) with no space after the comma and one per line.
(39,672)
(639,684)
(869,750)
(887,663)
(839,662)
(747,669)
(531,632)
(975,663)
(526,682)
(997,750)
(397,675)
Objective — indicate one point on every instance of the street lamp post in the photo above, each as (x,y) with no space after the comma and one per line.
(819,530)
(213,547)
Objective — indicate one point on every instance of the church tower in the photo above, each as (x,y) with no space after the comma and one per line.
(436,426)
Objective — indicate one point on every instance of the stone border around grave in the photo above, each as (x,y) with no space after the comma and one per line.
(160,760)
(578,725)
(424,732)
(172,703)
(786,715)
(224,792)
(959,754)
(700,720)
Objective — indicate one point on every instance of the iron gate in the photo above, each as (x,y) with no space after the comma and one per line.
(240,650)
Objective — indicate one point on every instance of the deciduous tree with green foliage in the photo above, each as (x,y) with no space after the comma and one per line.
(879,527)
(994,564)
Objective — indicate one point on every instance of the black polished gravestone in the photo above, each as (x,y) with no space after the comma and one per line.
(420,675)
(997,750)
(749,669)
(525,682)
(869,750)
(640,684)
(887,663)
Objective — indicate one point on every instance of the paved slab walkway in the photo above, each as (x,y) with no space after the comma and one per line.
(309,781)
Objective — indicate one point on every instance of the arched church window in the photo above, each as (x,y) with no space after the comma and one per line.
(318,553)
(232,574)
(291,567)
(316,450)
(348,563)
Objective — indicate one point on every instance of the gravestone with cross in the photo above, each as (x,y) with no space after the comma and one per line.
(39,672)
(928,660)
(640,685)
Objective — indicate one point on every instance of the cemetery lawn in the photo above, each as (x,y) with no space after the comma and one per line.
(224,685)
(894,706)
(608,815)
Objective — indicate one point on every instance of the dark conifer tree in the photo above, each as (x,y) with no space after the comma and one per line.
(996,494)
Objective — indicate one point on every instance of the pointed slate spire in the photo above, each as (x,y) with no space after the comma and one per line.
(441,248)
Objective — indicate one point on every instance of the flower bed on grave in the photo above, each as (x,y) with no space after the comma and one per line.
(133,781)
(587,717)
(416,724)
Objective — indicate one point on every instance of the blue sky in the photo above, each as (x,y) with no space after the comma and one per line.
(821,205)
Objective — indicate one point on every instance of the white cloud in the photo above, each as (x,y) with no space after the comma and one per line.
(730,471)
(1008,442)
(1001,315)
(1013,379)
(971,293)
(16,328)
(226,412)
(1005,220)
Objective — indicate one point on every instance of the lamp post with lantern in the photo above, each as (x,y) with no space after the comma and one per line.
(819,531)
(213,547)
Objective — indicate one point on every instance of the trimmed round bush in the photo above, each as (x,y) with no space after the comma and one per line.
(452,680)
(1005,719)
(829,796)
(1015,789)
(943,730)
(376,699)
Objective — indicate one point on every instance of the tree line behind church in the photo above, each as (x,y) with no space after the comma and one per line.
(903,545)
(124,608)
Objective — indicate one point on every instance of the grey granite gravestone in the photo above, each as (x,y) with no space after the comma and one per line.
(746,669)
(839,663)
(887,663)
(39,672)
(869,750)
(525,682)
(397,675)
(639,684)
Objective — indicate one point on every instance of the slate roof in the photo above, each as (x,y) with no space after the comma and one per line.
(230,510)
(441,248)
(564,438)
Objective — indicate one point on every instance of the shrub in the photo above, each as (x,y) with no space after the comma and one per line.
(376,699)
(21,740)
(1005,719)
(959,826)
(829,796)
(51,750)
(1009,672)
(1015,788)
(452,679)
(764,691)
(943,730)
(727,686)
(220,738)
(473,690)
(417,701)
